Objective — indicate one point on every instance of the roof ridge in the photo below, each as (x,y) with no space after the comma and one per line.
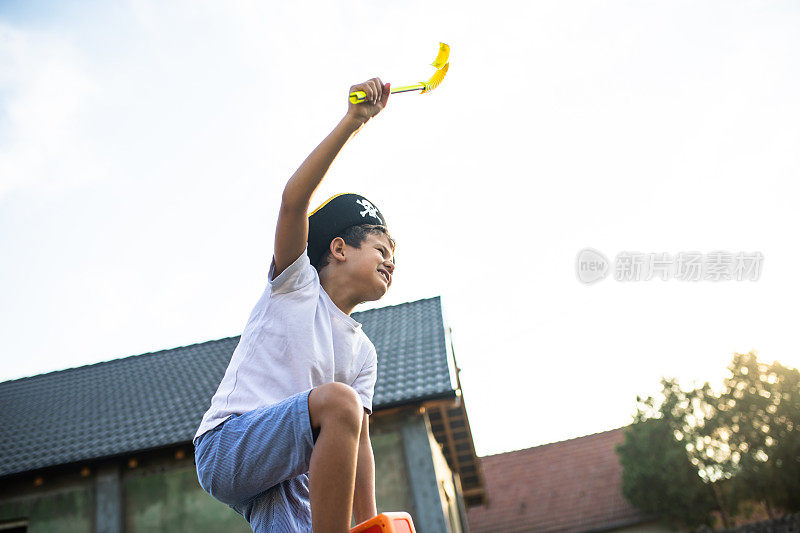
(438,297)
(115,360)
(518,450)
(155,352)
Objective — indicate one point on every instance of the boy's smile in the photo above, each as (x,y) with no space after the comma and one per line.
(372,260)
(386,275)
(376,253)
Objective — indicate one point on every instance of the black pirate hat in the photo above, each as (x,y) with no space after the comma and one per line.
(335,215)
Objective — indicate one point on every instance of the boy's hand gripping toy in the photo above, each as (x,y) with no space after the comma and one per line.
(441,63)
(386,523)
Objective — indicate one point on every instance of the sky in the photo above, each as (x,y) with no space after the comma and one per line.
(144,146)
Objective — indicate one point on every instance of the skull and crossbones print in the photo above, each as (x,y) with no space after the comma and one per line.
(369,209)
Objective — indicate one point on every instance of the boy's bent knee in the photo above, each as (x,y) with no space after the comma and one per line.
(334,402)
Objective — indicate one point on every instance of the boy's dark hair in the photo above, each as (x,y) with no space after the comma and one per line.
(354,236)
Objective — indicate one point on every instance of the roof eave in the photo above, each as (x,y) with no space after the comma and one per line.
(416,402)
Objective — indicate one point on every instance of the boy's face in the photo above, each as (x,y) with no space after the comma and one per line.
(371,266)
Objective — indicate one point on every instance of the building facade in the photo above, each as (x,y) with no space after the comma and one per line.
(107,447)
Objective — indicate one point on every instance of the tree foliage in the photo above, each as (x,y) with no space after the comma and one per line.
(757,418)
(692,452)
(659,479)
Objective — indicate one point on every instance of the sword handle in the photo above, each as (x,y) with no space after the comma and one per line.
(356,97)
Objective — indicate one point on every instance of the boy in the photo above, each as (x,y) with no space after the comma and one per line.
(285,442)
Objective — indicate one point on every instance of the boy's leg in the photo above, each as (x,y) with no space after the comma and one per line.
(250,453)
(336,410)
(256,451)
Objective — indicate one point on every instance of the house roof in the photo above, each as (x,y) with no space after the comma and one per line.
(569,486)
(157,399)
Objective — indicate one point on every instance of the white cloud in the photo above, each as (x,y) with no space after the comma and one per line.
(46,90)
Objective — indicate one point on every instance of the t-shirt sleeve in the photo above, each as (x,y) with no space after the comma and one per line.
(364,384)
(296,276)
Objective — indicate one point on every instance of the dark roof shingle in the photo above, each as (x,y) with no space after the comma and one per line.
(412,354)
(157,399)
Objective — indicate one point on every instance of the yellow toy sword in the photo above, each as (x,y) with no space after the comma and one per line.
(441,63)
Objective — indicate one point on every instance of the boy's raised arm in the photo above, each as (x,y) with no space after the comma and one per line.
(291,233)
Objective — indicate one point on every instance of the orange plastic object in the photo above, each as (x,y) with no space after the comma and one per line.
(397,522)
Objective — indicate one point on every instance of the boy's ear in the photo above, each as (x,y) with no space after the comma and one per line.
(337,248)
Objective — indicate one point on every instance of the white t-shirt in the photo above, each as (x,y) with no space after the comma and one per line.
(295,339)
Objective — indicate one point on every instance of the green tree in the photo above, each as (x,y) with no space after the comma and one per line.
(692,452)
(757,419)
(659,479)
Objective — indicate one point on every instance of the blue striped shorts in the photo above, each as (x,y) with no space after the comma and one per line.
(257,463)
